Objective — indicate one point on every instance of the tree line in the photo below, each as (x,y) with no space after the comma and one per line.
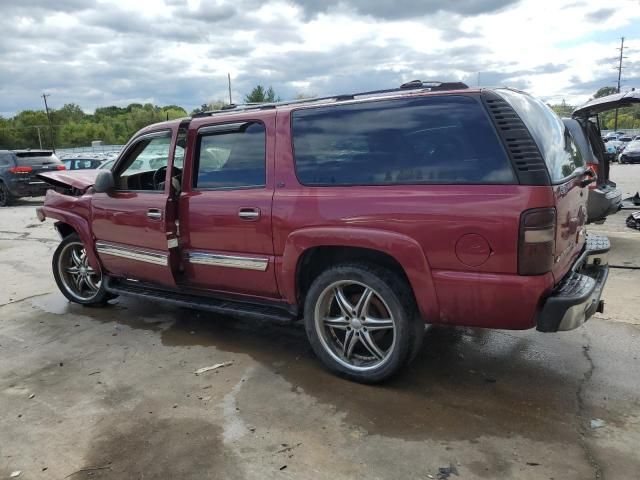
(72,127)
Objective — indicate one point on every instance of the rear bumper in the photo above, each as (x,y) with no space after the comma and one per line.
(27,187)
(577,296)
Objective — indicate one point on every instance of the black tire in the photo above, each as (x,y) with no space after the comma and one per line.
(6,199)
(390,294)
(62,262)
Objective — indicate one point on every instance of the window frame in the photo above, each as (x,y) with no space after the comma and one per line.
(474,97)
(115,167)
(223,128)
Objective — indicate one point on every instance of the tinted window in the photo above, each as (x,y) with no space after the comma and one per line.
(228,158)
(408,141)
(550,134)
(5,159)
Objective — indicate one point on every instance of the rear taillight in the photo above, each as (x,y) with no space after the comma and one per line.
(594,168)
(537,241)
(61,167)
(21,169)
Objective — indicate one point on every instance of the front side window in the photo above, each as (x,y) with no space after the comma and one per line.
(144,165)
(551,135)
(232,157)
(425,140)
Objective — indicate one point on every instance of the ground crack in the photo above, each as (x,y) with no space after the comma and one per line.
(581,413)
(18,300)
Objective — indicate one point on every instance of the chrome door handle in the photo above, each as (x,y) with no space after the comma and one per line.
(154,214)
(249,213)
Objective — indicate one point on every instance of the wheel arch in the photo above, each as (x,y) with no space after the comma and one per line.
(308,252)
(68,223)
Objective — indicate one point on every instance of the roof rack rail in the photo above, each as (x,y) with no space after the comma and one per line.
(412,85)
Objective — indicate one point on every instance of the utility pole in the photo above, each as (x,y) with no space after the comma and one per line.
(39,137)
(229,78)
(615,122)
(46,107)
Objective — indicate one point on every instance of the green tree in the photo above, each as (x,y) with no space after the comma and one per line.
(604,91)
(260,95)
(209,107)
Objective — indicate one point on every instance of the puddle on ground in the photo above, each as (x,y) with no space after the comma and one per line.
(465,383)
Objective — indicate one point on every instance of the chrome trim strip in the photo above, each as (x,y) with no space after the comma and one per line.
(218,260)
(156,258)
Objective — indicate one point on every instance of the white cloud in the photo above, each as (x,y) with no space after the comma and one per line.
(102,52)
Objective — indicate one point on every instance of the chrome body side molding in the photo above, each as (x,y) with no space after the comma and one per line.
(231,261)
(104,248)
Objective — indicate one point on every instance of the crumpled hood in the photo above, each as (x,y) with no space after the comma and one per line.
(78,179)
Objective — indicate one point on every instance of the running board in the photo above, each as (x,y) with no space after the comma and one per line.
(223,306)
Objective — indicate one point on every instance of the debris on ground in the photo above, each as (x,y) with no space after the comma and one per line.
(633,220)
(212,367)
(15,474)
(445,472)
(32,396)
(533,464)
(597,423)
(283,467)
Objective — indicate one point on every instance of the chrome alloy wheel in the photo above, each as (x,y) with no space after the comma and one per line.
(78,278)
(355,325)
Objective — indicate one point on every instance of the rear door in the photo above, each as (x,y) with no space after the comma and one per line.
(225,208)
(135,224)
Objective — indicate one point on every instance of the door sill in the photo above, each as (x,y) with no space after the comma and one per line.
(274,311)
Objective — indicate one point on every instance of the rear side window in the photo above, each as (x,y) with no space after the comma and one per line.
(441,140)
(552,137)
(32,159)
(231,156)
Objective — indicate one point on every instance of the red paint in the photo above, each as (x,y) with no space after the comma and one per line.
(457,244)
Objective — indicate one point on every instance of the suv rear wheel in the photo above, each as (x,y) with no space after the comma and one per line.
(75,278)
(5,196)
(361,322)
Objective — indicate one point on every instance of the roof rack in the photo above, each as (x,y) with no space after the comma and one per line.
(412,85)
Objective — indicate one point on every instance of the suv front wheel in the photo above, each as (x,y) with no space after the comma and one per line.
(361,322)
(75,278)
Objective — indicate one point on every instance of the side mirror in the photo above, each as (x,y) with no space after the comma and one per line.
(104,182)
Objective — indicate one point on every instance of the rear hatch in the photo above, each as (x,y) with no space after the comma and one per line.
(568,178)
(31,162)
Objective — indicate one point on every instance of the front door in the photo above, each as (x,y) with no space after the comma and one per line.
(225,207)
(135,224)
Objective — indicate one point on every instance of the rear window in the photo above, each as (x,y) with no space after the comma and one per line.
(35,158)
(554,140)
(437,140)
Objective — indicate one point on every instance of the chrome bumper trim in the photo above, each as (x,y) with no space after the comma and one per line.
(231,261)
(104,248)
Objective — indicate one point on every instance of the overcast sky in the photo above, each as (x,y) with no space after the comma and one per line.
(115,52)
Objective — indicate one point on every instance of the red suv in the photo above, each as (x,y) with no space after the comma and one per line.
(367,215)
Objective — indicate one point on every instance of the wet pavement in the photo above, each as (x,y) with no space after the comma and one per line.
(111,392)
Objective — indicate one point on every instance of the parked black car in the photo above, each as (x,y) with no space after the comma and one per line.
(631,152)
(18,169)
